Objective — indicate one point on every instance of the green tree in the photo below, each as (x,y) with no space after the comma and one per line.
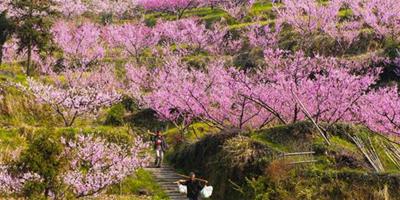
(43,158)
(6,29)
(33,23)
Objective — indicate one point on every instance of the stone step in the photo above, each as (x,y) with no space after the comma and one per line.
(165,177)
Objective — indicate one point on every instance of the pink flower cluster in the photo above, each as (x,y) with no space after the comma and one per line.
(309,16)
(4,5)
(82,45)
(235,8)
(228,97)
(71,8)
(96,163)
(13,184)
(131,39)
(169,5)
(263,36)
(92,164)
(192,32)
(383,16)
(213,95)
(381,110)
(326,86)
(80,94)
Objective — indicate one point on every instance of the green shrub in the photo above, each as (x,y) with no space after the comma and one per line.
(391,48)
(249,60)
(318,184)
(42,157)
(146,120)
(115,115)
(319,148)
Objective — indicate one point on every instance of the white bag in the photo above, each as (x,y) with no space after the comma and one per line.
(182,189)
(206,192)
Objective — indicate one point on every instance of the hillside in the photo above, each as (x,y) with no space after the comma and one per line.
(258,165)
(265,99)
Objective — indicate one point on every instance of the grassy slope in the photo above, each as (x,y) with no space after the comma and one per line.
(262,9)
(302,137)
(220,158)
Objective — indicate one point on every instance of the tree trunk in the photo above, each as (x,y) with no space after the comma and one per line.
(180,14)
(1,54)
(28,65)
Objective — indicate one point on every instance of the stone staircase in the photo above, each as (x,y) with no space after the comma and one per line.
(165,177)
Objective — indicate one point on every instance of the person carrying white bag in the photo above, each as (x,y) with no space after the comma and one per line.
(194,187)
(206,192)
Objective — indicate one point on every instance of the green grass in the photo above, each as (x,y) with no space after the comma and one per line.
(270,144)
(10,139)
(302,137)
(194,132)
(246,24)
(142,180)
(339,143)
(210,15)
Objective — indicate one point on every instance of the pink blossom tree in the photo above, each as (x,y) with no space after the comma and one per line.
(82,45)
(226,97)
(308,17)
(4,5)
(91,165)
(193,33)
(114,7)
(80,83)
(212,95)
(9,51)
(263,36)
(78,93)
(383,16)
(13,184)
(70,8)
(326,87)
(95,163)
(236,8)
(381,110)
(185,31)
(175,6)
(132,39)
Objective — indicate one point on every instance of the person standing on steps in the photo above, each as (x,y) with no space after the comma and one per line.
(193,185)
(160,146)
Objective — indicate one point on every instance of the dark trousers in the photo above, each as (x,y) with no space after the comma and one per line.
(193,198)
